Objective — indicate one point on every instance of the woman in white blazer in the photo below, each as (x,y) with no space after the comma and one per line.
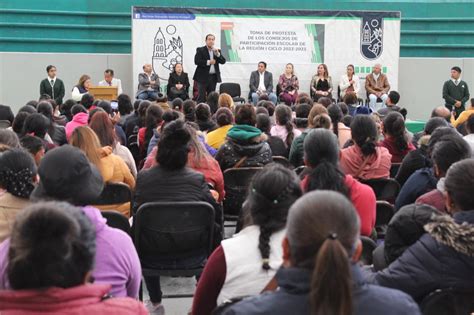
(349,82)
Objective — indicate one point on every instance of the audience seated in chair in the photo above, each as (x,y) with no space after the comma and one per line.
(296,150)
(322,157)
(277,146)
(444,256)
(231,272)
(171,180)
(18,176)
(203,118)
(245,145)
(284,128)
(419,158)
(470,133)
(424,179)
(112,168)
(225,121)
(320,274)
(395,137)
(364,159)
(447,151)
(342,132)
(116,261)
(199,160)
(50,265)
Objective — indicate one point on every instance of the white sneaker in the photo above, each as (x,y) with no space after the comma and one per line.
(154,309)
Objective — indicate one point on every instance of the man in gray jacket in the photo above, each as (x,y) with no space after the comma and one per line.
(261,83)
(148,84)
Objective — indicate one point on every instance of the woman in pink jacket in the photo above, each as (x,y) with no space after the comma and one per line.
(79,118)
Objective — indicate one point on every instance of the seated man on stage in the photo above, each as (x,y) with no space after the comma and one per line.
(109,80)
(377,87)
(261,83)
(148,84)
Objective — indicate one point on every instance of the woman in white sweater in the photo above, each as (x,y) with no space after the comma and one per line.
(349,82)
(81,88)
(244,264)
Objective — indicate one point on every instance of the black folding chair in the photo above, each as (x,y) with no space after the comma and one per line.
(448,301)
(385,212)
(172,231)
(114,193)
(132,145)
(394,169)
(283,161)
(116,220)
(233,89)
(384,188)
(236,185)
(368,246)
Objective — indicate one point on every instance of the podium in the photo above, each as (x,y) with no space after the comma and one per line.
(108,93)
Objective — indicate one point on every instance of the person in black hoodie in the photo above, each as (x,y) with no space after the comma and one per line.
(444,256)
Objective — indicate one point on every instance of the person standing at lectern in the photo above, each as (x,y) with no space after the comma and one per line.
(52,86)
(109,80)
(207,74)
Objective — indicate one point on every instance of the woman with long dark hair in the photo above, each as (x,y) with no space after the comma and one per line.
(364,159)
(232,272)
(321,154)
(320,274)
(284,128)
(321,83)
(396,138)
(178,83)
(342,132)
(105,131)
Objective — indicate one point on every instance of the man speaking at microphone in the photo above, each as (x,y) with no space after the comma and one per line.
(207,74)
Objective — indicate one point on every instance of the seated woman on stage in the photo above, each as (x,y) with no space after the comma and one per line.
(81,88)
(178,83)
(349,82)
(289,85)
(321,83)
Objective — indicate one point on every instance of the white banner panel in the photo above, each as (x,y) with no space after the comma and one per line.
(164,36)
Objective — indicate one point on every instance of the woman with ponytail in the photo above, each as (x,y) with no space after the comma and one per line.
(365,160)
(396,139)
(284,128)
(244,264)
(321,152)
(18,177)
(342,132)
(320,274)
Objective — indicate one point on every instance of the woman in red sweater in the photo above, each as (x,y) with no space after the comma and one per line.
(395,137)
(321,153)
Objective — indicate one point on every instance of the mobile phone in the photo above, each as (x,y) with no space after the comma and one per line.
(114,105)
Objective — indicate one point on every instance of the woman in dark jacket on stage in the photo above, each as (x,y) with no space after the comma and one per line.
(178,84)
(444,256)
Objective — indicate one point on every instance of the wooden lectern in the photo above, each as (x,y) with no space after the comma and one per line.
(108,93)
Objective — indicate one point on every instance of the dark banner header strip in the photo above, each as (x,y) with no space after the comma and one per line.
(263,12)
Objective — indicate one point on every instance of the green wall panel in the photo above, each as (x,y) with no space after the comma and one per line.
(429,28)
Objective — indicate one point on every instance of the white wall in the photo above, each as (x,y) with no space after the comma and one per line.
(420,79)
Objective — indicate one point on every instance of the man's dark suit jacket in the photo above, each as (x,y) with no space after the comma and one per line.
(202,70)
(255,81)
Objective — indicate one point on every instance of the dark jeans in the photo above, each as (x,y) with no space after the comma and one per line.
(148,95)
(204,88)
(153,283)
